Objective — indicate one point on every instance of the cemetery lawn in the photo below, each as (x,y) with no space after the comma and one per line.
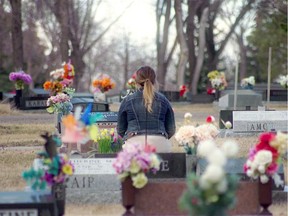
(20,141)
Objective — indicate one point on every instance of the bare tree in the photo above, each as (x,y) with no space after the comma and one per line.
(183,59)
(17,36)
(163,12)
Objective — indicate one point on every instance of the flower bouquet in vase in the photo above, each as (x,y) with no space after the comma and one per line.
(189,136)
(100,85)
(20,78)
(263,163)
(283,80)
(218,82)
(50,169)
(213,192)
(131,165)
(248,83)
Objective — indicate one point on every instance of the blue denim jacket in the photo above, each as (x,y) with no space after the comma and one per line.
(133,119)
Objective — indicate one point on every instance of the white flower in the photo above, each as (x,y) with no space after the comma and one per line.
(213,174)
(277,180)
(185,134)
(249,173)
(187,115)
(205,147)
(264,179)
(230,148)
(228,125)
(217,157)
(263,157)
(261,169)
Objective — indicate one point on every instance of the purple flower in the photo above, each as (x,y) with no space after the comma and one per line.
(20,75)
(49,178)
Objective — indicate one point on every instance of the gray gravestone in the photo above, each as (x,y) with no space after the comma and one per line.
(259,121)
(94,181)
(245,98)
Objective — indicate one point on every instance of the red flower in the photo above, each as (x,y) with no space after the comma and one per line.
(211,91)
(210,119)
(183,89)
(149,148)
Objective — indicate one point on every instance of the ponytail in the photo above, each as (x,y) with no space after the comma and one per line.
(148,95)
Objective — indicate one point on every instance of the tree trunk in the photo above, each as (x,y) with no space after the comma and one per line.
(243,56)
(17,36)
(201,47)
(191,39)
(62,15)
(183,44)
(162,42)
(126,63)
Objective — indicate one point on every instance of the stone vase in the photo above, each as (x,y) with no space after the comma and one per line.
(191,163)
(99,97)
(217,94)
(265,196)
(59,192)
(128,194)
(18,97)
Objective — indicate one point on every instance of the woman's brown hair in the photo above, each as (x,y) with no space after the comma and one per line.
(146,77)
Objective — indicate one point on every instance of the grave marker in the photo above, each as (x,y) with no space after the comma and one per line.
(259,121)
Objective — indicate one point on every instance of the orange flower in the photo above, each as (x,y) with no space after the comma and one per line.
(68,71)
(47,85)
(57,87)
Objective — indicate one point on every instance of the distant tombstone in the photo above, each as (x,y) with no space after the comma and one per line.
(171,95)
(277,95)
(259,121)
(27,203)
(28,103)
(245,98)
(84,102)
(38,92)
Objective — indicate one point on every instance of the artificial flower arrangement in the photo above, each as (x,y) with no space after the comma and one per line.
(107,140)
(131,84)
(283,81)
(135,161)
(248,82)
(265,157)
(213,192)
(20,78)
(217,79)
(102,83)
(59,103)
(60,89)
(190,136)
(50,167)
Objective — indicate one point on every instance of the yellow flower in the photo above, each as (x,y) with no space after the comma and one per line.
(67,169)
(134,167)
(140,180)
(123,175)
(155,162)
